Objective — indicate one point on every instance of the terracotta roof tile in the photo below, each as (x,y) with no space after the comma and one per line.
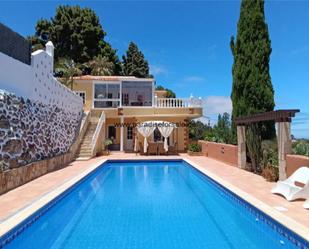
(107,78)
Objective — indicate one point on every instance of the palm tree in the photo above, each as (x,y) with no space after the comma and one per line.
(67,68)
(100,65)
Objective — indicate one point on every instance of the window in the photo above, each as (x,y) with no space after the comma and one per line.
(129,133)
(106,95)
(82,95)
(106,104)
(136,93)
(111,132)
(100,91)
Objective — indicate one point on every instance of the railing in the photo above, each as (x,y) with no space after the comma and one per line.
(97,133)
(178,102)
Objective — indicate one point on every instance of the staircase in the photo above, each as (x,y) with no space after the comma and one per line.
(85,150)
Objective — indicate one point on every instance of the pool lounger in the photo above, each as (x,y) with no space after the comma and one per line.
(290,190)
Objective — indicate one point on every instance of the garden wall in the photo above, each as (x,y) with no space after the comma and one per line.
(294,162)
(39,116)
(36,81)
(222,152)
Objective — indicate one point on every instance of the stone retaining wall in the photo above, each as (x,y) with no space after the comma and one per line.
(14,178)
(31,131)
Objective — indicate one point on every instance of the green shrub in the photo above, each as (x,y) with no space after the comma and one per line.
(107,142)
(270,162)
(301,148)
(269,153)
(194,147)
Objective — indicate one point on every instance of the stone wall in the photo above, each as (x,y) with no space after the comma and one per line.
(226,153)
(31,131)
(16,177)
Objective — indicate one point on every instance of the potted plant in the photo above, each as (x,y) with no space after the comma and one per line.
(194,149)
(107,143)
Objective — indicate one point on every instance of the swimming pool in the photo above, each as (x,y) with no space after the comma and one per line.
(150,205)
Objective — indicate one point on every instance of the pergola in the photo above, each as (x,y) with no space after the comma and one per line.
(283,119)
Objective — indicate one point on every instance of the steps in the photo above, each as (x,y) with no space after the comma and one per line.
(85,149)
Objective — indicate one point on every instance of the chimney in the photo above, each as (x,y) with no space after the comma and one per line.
(50,49)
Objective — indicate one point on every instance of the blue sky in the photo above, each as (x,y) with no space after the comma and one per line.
(187,45)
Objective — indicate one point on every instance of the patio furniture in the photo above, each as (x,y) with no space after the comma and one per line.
(290,190)
(152,149)
(161,150)
(172,149)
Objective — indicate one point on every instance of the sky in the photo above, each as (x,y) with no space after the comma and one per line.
(187,45)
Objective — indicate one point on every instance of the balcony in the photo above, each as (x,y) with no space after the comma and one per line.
(178,102)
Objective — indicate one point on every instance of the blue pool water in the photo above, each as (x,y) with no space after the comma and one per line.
(149,205)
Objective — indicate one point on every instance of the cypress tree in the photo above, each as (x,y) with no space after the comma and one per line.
(252,88)
(134,63)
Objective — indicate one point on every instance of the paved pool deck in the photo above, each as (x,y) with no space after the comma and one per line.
(19,203)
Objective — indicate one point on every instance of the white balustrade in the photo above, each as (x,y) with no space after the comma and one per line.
(178,102)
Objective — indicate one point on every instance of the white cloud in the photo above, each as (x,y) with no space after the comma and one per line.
(193,78)
(213,106)
(157,69)
(217,105)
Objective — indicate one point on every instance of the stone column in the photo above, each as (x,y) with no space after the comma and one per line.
(284,146)
(241,141)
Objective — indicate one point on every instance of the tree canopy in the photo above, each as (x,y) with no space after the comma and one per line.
(252,88)
(169,92)
(101,66)
(75,32)
(134,63)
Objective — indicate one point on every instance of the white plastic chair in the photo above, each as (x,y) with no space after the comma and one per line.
(289,190)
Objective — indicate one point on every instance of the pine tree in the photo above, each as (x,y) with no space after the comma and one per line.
(110,53)
(77,35)
(134,63)
(75,32)
(252,88)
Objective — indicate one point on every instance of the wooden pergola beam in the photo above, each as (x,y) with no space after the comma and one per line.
(283,119)
(277,116)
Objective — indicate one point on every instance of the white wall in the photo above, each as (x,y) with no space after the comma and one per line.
(36,82)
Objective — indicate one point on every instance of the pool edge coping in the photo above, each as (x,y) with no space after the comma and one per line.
(282,219)
(21,215)
(24,213)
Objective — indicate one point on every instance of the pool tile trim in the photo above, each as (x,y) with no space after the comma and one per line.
(261,215)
